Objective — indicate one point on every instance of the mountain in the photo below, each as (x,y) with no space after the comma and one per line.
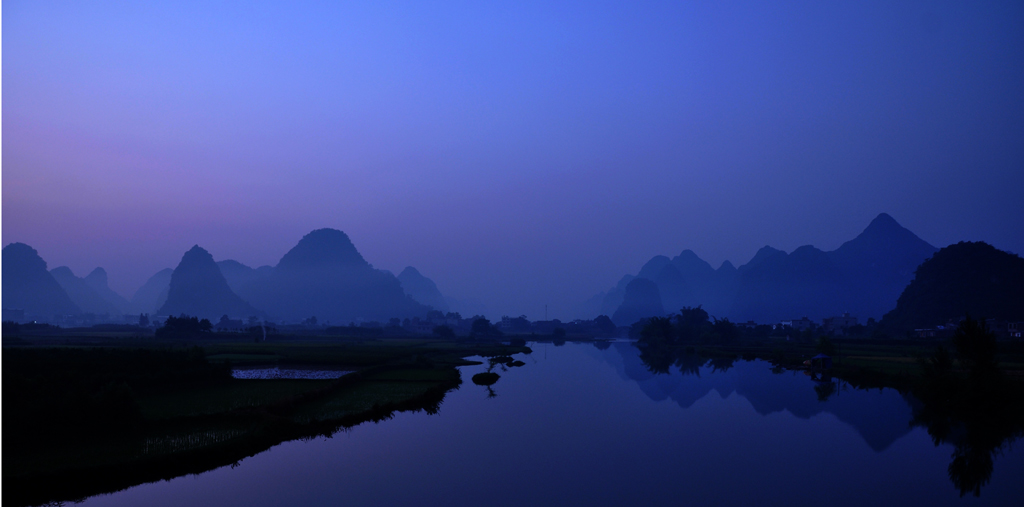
(878,264)
(247,282)
(864,276)
(97,280)
(641,300)
(199,289)
(153,294)
(422,289)
(803,283)
(82,293)
(974,278)
(28,286)
(326,277)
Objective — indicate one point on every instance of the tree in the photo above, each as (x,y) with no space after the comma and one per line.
(184,327)
(691,323)
(658,331)
(976,348)
(481,327)
(605,324)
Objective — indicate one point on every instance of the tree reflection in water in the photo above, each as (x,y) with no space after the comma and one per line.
(965,402)
(975,408)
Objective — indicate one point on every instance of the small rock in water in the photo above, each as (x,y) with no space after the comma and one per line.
(485,379)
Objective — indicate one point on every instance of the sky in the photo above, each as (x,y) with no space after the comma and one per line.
(520,154)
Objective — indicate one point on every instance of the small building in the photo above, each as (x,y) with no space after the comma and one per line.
(798,325)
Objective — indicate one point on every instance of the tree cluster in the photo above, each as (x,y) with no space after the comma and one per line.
(184,327)
(689,326)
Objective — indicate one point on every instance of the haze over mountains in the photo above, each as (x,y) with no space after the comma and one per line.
(325,276)
(864,277)
(28,286)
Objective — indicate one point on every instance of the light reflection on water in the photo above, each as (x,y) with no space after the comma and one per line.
(276,372)
(577,425)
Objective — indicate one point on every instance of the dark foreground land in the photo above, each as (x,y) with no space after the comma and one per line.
(95,415)
(98,412)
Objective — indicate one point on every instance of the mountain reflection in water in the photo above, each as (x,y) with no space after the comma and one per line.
(880,416)
(979,420)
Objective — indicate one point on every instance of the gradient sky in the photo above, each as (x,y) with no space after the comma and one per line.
(517,153)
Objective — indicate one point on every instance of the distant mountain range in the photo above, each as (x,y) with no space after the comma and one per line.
(864,277)
(91,294)
(323,276)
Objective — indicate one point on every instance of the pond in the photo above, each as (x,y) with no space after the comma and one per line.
(582,425)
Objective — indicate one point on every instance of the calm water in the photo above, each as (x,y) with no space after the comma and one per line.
(278,372)
(581,426)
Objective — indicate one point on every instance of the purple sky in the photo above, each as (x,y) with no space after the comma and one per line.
(518,154)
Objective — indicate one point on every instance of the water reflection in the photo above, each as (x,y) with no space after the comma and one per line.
(579,427)
(980,415)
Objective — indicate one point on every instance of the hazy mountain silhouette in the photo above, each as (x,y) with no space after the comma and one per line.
(422,289)
(611,300)
(878,264)
(28,286)
(326,277)
(642,299)
(804,283)
(97,279)
(82,293)
(199,289)
(864,276)
(967,277)
(153,294)
(247,282)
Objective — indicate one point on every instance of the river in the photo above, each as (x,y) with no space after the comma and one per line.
(582,425)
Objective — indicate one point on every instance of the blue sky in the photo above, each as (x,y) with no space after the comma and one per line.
(517,153)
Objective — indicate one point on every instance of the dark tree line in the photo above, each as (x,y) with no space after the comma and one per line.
(184,327)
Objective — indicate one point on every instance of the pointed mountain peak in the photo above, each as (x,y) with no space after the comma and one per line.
(727,266)
(884,224)
(409,271)
(62,272)
(197,287)
(688,254)
(97,278)
(196,256)
(323,248)
(884,234)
